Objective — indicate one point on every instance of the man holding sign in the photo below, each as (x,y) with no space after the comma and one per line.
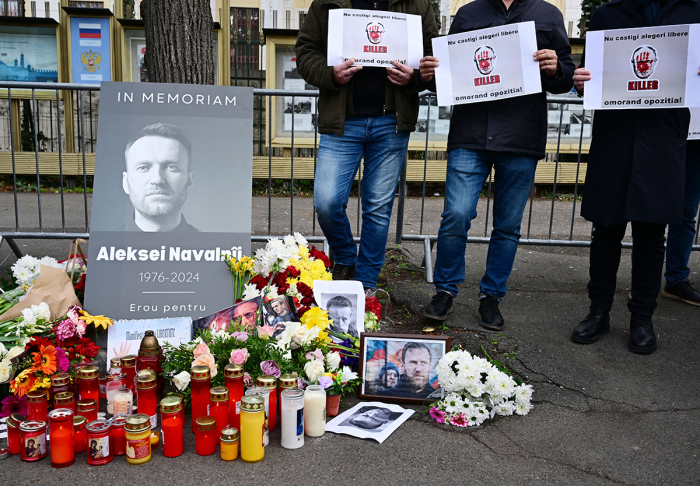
(362,112)
(508,135)
(636,173)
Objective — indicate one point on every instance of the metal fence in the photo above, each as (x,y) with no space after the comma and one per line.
(44,129)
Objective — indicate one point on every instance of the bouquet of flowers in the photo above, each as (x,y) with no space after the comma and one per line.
(33,321)
(476,390)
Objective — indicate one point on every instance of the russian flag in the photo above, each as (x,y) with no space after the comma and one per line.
(90,31)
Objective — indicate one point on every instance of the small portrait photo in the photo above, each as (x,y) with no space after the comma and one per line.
(278,312)
(244,313)
(370,420)
(399,367)
(345,302)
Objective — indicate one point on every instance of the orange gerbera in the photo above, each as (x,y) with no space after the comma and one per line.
(46,360)
(22,383)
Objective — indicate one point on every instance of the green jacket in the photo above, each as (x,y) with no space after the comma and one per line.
(335,101)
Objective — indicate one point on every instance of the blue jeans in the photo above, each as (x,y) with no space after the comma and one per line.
(680,236)
(467,171)
(384,150)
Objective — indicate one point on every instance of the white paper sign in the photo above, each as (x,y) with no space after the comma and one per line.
(694,132)
(124,337)
(374,38)
(370,420)
(487,64)
(651,67)
(345,302)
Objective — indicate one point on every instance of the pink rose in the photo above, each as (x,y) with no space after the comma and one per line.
(201,349)
(316,354)
(239,356)
(265,331)
(241,336)
(206,359)
(270,368)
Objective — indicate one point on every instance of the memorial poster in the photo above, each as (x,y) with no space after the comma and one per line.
(124,337)
(487,64)
(172,195)
(374,38)
(651,67)
(90,46)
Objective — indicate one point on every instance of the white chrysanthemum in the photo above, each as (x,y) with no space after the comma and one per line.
(29,317)
(310,336)
(506,407)
(250,292)
(5,370)
(51,262)
(299,238)
(271,292)
(42,311)
(523,393)
(293,291)
(289,240)
(523,408)
(454,403)
(475,388)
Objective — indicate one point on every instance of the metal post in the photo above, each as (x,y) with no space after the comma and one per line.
(402,202)
(60,162)
(291,191)
(36,155)
(578,168)
(82,145)
(425,167)
(12,153)
(269,173)
(556,169)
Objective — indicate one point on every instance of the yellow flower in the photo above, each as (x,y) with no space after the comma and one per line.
(98,321)
(44,382)
(304,252)
(316,317)
(323,336)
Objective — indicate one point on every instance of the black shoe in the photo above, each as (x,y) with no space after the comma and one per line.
(642,337)
(491,317)
(597,322)
(440,305)
(682,291)
(343,272)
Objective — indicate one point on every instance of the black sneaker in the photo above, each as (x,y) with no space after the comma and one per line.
(682,291)
(440,305)
(343,272)
(491,317)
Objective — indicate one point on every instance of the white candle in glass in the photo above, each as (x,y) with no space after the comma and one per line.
(265,393)
(315,411)
(292,418)
(112,388)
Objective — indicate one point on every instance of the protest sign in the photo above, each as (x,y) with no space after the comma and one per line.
(694,132)
(374,38)
(651,67)
(124,337)
(487,64)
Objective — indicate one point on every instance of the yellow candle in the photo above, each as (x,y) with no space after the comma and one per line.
(252,428)
(229,444)
(138,438)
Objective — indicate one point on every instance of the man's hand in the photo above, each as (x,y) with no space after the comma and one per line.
(581,75)
(548,61)
(427,68)
(124,349)
(400,74)
(342,73)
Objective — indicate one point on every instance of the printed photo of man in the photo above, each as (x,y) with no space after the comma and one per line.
(340,309)
(157,178)
(414,381)
(247,312)
(372,418)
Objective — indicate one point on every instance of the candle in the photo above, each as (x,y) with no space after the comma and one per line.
(138,438)
(115,382)
(292,418)
(252,428)
(117,436)
(61,433)
(128,364)
(270,382)
(123,401)
(229,444)
(88,386)
(233,379)
(33,441)
(79,434)
(102,386)
(14,442)
(285,381)
(265,394)
(87,408)
(172,426)
(315,411)
(37,406)
(64,400)
(200,384)
(147,397)
(99,452)
(206,437)
(60,382)
(218,396)
(151,358)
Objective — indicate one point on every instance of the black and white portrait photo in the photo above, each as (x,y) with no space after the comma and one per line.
(345,303)
(370,420)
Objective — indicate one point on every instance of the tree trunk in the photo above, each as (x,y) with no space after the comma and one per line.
(180,46)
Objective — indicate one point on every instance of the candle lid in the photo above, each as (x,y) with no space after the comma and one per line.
(79,421)
(98,426)
(36,396)
(170,404)
(61,413)
(218,394)
(32,425)
(4,453)
(138,422)
(252,403)
(128,361)
(86,405)
(116,377)
(149,345)
(88,372)
(63,398)
(200,372)
(428,330)
(115,362)
(15,419)
(146,381)
(229,434)
(60,379)
(288,381)
(267,381)
(293,393)
(233,371)
(118,422)
(205,423)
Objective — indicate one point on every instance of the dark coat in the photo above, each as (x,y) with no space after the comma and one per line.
(636,164)
(519,124)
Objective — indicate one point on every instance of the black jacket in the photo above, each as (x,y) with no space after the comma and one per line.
(519,124)
(636,164)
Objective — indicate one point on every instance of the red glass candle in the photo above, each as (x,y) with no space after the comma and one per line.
(218,396)
(64,400)
(99,452)
(33,441)
(206,436)
(87,408)
(87,381)
(37,406)
(117,436)
(61,433)
(270,382)
(60,382)
(79,434)
(14,442)
(200,382)
(182,402)
(102,382)
(129,369)
(172,426)
(147,397)
(233,379)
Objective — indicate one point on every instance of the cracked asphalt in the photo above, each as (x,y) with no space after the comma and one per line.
(602,415)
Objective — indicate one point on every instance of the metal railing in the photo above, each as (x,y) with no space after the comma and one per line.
(83,125)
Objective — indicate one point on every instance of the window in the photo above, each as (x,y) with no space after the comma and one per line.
(245,38)
(302,17)
(12,8)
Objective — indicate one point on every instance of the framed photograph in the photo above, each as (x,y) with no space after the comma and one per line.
(400,367)
(246,312)
(370,420)
(278,312)
(345,302)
